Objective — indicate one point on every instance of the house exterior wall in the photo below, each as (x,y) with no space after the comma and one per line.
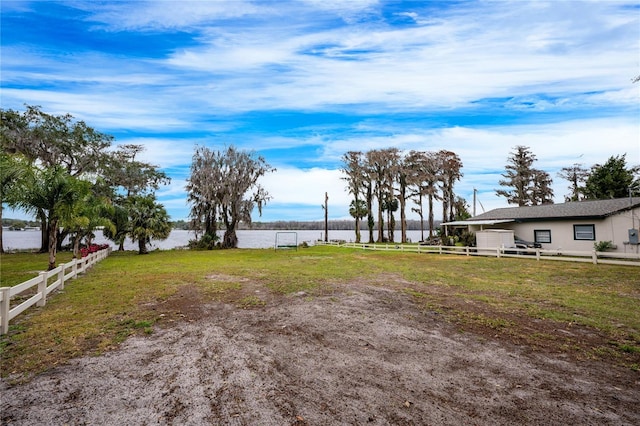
(494,238)
(614,228)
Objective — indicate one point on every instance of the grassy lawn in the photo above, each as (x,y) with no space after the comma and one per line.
(16,268)
(519,299)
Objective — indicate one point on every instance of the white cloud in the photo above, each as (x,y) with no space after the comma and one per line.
(469,54)
(297,186)
(109,110)
(166,14)
(163,152)
(450,62)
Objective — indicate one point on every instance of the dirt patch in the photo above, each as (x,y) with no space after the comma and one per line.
(364,355)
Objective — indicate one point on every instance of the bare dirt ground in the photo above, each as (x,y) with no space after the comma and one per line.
(362,355)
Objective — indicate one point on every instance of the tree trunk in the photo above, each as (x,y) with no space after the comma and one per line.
(142,246)
(326,217)
(421,214)
(230,239)
(445,206)
(403,220)
(1,243)
(211,226)
(392,225)
(430,217)
(60,236)
(370,221)
(44,233)
(380,221)
(452,200)
(76,247)
(53,233)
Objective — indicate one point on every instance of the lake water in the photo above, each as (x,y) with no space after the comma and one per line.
(30,239)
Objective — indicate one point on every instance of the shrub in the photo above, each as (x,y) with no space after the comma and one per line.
(207,242)
(468,239)
(602,245)
(86,250)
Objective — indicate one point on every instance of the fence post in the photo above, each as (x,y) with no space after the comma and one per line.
(5,293)
(537,254)
(75,267)
(467,250)
(498,252)
(61,275)
(42,288)
(594,257)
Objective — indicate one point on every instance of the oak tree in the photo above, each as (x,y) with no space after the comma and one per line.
(224,186)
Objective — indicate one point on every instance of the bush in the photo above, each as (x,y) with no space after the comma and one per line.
(86,250)
(468,239)
(207,242)
(603,245)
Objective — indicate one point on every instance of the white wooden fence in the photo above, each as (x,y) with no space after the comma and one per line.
(594,257)
(58,276)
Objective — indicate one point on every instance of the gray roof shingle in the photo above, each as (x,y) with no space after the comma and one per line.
(576,209)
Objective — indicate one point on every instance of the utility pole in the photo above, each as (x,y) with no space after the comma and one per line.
(474,201)
(326,217)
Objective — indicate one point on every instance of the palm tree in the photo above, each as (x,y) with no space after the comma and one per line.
(55,196)
(149,220)
(92,212)
(390,205)
(358,210)
(119,218)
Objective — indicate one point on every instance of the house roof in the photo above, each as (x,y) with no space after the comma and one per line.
(477,222)
(575,209)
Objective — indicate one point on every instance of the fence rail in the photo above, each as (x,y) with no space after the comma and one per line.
(46,282)
(595,257)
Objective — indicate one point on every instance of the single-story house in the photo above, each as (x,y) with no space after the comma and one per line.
(568,226)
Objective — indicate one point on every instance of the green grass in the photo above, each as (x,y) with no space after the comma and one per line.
(113,300)
(16,268)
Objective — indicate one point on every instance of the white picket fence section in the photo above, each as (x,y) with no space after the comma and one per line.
(64,272)
(595,257)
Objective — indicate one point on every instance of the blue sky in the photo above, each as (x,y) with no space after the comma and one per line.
(303,82)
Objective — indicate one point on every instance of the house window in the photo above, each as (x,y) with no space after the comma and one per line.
(584,232)
(542,235)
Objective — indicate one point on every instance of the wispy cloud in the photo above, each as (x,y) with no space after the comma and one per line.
(305,81)
(165,14)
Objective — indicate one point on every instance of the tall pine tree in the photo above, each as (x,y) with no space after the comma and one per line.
(529,186)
